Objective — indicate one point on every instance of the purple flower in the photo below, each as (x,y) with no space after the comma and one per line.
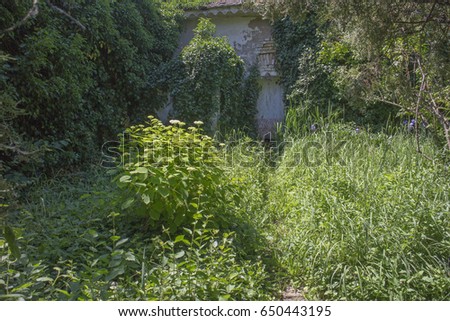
(412,124)
(313,127)
(357,130)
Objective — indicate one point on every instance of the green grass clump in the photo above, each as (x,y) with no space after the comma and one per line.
(359,216)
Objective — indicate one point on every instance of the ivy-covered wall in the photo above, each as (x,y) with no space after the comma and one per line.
(318,71)
(248,34)
(211,84)
(81,71)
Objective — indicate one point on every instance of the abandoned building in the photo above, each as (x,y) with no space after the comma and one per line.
(251,37)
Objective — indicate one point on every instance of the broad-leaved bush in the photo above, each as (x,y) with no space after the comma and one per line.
(170,175)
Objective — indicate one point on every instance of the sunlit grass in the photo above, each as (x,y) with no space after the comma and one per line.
(344,214)
(362,216)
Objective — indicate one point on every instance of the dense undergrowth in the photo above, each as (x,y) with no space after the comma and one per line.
(361,216)
(86,245)
(332,209)
(341,213)
(75,247)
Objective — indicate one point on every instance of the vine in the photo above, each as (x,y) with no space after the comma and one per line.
(319,69)
(83,70)
(298,44)
(212,86)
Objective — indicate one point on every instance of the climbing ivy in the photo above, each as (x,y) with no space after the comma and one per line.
(318,70)
(83,70)
(244,116)
(212,86)
(298,43)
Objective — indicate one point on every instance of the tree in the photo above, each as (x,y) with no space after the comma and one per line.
(82,70)
(400,52)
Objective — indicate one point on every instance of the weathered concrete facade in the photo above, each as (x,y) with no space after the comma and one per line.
(251,37)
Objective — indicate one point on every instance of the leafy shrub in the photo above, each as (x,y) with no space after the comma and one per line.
(80,86)
(170,174)
(298,44)
(202,264)
(74,247)
(55,233)
(16,155)
(318,67)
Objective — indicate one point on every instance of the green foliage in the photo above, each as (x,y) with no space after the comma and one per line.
(75,246)
(317,70)
(302,120)
(202,264)
(242,117)
(16,154)
(298,44)
(196,221)
(57,237)
(352,227)
(249,164)
(211,85)
(171,175)
(80,86)
(51,79)
(185,4)
(381,58)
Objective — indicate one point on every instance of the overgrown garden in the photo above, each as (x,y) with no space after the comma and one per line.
(349,202)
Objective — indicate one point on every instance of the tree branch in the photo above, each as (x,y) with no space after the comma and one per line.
(434,108)
(419,99)
(429,14)
(31,14)
(61,11)
(382,100)
(442,119)
(423,22)
(17,150)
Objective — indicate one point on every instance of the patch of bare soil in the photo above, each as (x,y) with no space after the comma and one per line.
(292,294)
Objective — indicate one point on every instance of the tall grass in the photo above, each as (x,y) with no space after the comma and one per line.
(342,212)
(360,216)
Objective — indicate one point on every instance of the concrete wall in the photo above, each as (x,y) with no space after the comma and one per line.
(270,106)
(248,34)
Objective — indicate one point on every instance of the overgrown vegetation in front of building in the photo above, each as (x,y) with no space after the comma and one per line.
(213,85)
(350,202)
